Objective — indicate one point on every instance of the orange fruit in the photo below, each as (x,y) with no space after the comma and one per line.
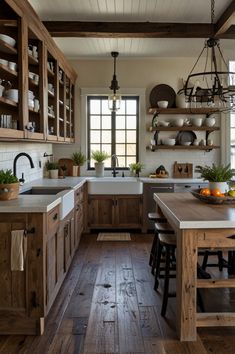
(216,193)
(205,191)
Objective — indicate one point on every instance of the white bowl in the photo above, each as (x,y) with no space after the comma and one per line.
(12,65)
(30,95)
(7,39)
(186,143)
(31,103)
(178,122)
(163,124)
(162,104)
(209,121)
(168,141)
(196,121)
(12,94)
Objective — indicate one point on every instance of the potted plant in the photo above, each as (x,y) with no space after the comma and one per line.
(136,168)
(99,157)
(217,175)
(53,168)
(9,185)
(78,160)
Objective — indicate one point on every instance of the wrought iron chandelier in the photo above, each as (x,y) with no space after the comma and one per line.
(212,87)
(114,100)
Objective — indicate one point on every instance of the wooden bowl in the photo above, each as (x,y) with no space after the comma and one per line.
(211,199)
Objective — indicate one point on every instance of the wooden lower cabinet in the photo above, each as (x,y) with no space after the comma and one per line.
(79,212)
(115,211)
(27,296)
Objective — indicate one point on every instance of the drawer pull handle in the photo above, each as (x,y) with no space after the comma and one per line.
(55,217)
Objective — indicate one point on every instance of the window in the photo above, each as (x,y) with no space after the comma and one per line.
(115,133)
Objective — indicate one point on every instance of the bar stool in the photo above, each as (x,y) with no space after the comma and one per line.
(221,262)
(163,228)
(169,242)
(156,217)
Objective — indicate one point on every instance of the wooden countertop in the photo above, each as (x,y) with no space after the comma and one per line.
(186,212)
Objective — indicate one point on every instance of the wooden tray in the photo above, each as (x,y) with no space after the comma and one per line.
(211,199)
(69,164)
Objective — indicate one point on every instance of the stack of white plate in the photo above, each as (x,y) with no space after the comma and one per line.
(12,94)
(31,99)
(7,39)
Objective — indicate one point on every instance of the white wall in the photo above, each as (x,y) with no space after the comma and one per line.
(142,74)
(8,151)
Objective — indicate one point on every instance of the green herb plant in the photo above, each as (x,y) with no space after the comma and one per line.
(216,173)
(99,156)
(78,158)
(136,167)
(6,177)
(52,165)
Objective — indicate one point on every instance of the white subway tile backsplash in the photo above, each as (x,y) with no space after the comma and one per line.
(8,151)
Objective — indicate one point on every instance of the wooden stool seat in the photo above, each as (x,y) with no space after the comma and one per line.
(167,239)
(156,217)
(159,227)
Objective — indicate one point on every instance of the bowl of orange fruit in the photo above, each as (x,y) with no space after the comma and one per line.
(213,196)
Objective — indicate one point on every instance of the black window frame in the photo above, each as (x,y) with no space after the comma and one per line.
(113,128)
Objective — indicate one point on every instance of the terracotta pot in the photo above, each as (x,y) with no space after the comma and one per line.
(9,191)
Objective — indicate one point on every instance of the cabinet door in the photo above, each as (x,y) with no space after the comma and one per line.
(51,266)
(128,211)
(67,245)
(100,211)
(78,222)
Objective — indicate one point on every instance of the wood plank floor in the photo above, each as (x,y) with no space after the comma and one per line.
(107,305)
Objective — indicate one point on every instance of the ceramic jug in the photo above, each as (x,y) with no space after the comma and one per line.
(181,101)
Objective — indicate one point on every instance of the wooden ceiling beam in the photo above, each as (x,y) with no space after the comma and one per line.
(226,20)
(127,29)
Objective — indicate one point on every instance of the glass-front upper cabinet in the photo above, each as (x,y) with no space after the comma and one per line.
(11,124)
(35,125)
(62,105)
(69,91)
(52,94)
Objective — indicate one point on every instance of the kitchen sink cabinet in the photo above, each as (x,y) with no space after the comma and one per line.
(115,211)
(39,68)
(27,296)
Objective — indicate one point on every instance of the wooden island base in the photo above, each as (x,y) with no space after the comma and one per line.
(197,226)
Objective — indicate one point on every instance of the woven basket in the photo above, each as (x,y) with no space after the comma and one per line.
(9,191)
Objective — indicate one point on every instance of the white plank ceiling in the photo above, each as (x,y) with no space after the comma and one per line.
(190,11)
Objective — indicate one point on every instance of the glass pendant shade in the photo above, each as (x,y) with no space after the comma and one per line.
(114,102)
(114,99)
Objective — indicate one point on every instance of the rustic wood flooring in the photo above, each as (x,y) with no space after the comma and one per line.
(107,305)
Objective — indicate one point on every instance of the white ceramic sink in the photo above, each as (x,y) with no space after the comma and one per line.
(115,185)
(67,202)
(66,195)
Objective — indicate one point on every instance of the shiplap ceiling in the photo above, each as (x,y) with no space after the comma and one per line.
(171,11)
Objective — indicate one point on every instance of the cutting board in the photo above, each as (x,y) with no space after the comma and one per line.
(69,164)
(182,170)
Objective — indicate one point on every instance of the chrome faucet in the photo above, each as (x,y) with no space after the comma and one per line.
(114,164)
(15,160)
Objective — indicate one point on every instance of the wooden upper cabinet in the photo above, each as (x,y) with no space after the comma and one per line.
(41,105)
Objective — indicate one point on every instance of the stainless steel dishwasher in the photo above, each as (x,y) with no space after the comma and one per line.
(149,203)
(187,187)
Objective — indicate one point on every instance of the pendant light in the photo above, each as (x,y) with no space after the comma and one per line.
(114,99)
(212,88)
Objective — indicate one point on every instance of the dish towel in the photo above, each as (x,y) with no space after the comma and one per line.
(18,249)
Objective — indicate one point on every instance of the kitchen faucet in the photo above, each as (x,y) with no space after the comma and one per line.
(15,160)
(114,164)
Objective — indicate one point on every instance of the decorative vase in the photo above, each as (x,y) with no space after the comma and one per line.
(209,121)
(99,169)
(181,101)
(222,186)
(54,174)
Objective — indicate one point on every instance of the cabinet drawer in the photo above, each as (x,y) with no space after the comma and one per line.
(53,219)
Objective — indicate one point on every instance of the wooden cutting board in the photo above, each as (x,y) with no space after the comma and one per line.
(182,170)
(69,164)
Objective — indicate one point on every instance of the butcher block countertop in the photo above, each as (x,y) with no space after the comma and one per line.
(189,212)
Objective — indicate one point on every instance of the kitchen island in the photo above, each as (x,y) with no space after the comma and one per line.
(197,225)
